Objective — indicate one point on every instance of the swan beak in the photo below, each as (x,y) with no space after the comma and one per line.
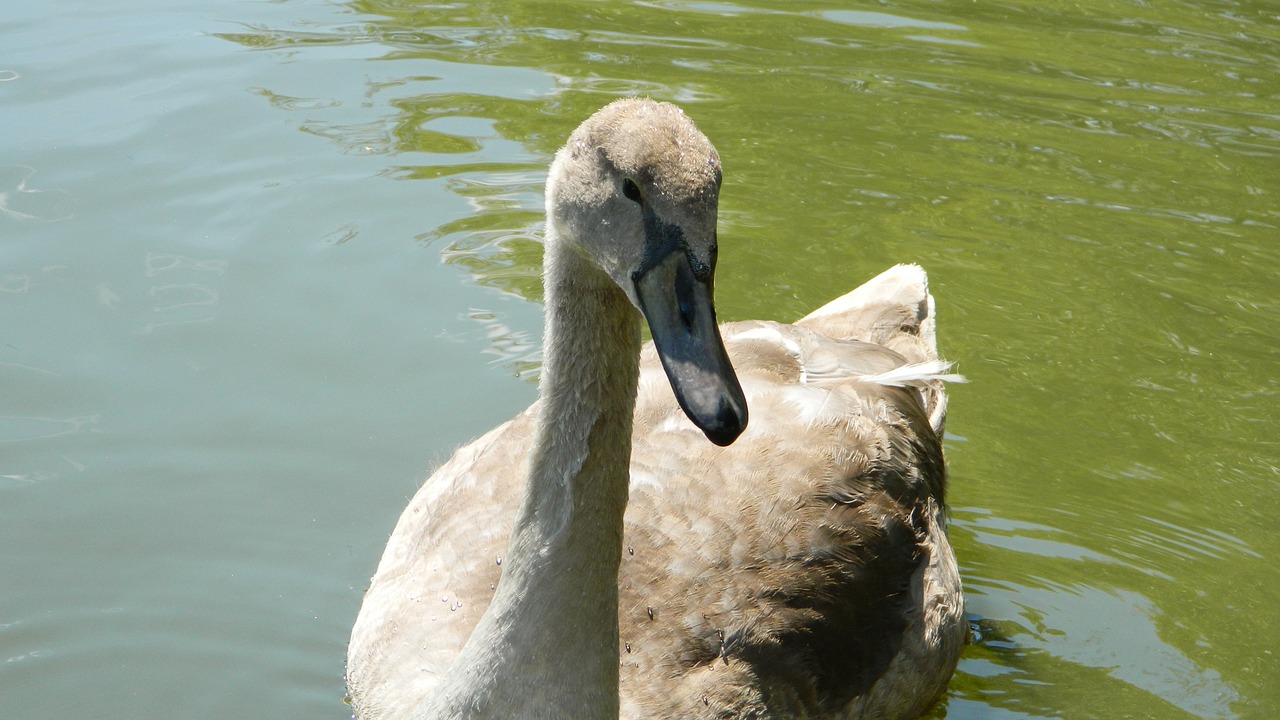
(677,303)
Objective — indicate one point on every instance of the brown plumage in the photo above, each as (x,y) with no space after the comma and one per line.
(801,572)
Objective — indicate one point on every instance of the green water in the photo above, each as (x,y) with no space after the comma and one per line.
(262,264)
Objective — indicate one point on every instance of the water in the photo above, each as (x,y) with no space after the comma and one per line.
(262,264)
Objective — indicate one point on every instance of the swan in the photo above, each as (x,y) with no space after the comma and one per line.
(623,550)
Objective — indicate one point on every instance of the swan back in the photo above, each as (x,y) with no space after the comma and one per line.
(803,572)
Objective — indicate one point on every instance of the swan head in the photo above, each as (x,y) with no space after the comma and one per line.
(635,192)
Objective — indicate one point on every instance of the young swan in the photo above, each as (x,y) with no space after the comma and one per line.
(596,556)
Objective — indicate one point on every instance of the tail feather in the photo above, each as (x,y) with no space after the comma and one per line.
(894,309)
(916,375)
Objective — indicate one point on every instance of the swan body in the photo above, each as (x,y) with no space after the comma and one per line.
(597,557)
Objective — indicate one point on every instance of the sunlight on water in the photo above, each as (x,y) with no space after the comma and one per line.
(262,265)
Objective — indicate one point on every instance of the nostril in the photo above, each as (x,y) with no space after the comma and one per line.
(687,315)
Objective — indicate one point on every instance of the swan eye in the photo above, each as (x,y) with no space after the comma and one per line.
(631,190)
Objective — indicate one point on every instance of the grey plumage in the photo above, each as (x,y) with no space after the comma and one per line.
(801,572)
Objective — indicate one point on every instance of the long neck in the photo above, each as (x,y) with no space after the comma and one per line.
(547,647)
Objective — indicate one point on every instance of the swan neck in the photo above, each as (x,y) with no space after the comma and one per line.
(579,464)
(547,646)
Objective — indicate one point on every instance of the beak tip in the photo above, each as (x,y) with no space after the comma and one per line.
(729,424)
(723,437)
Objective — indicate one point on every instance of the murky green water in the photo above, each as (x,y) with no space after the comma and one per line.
(263,263)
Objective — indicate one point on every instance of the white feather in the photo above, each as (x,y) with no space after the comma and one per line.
(914,374)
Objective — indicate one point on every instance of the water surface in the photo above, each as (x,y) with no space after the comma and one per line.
(263,264)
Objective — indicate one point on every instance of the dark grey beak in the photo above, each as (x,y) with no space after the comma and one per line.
(678,306)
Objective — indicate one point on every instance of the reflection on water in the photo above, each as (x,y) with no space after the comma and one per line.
(20,201)
(262,265)
(1066,638)
(1069,622)
(515,349)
